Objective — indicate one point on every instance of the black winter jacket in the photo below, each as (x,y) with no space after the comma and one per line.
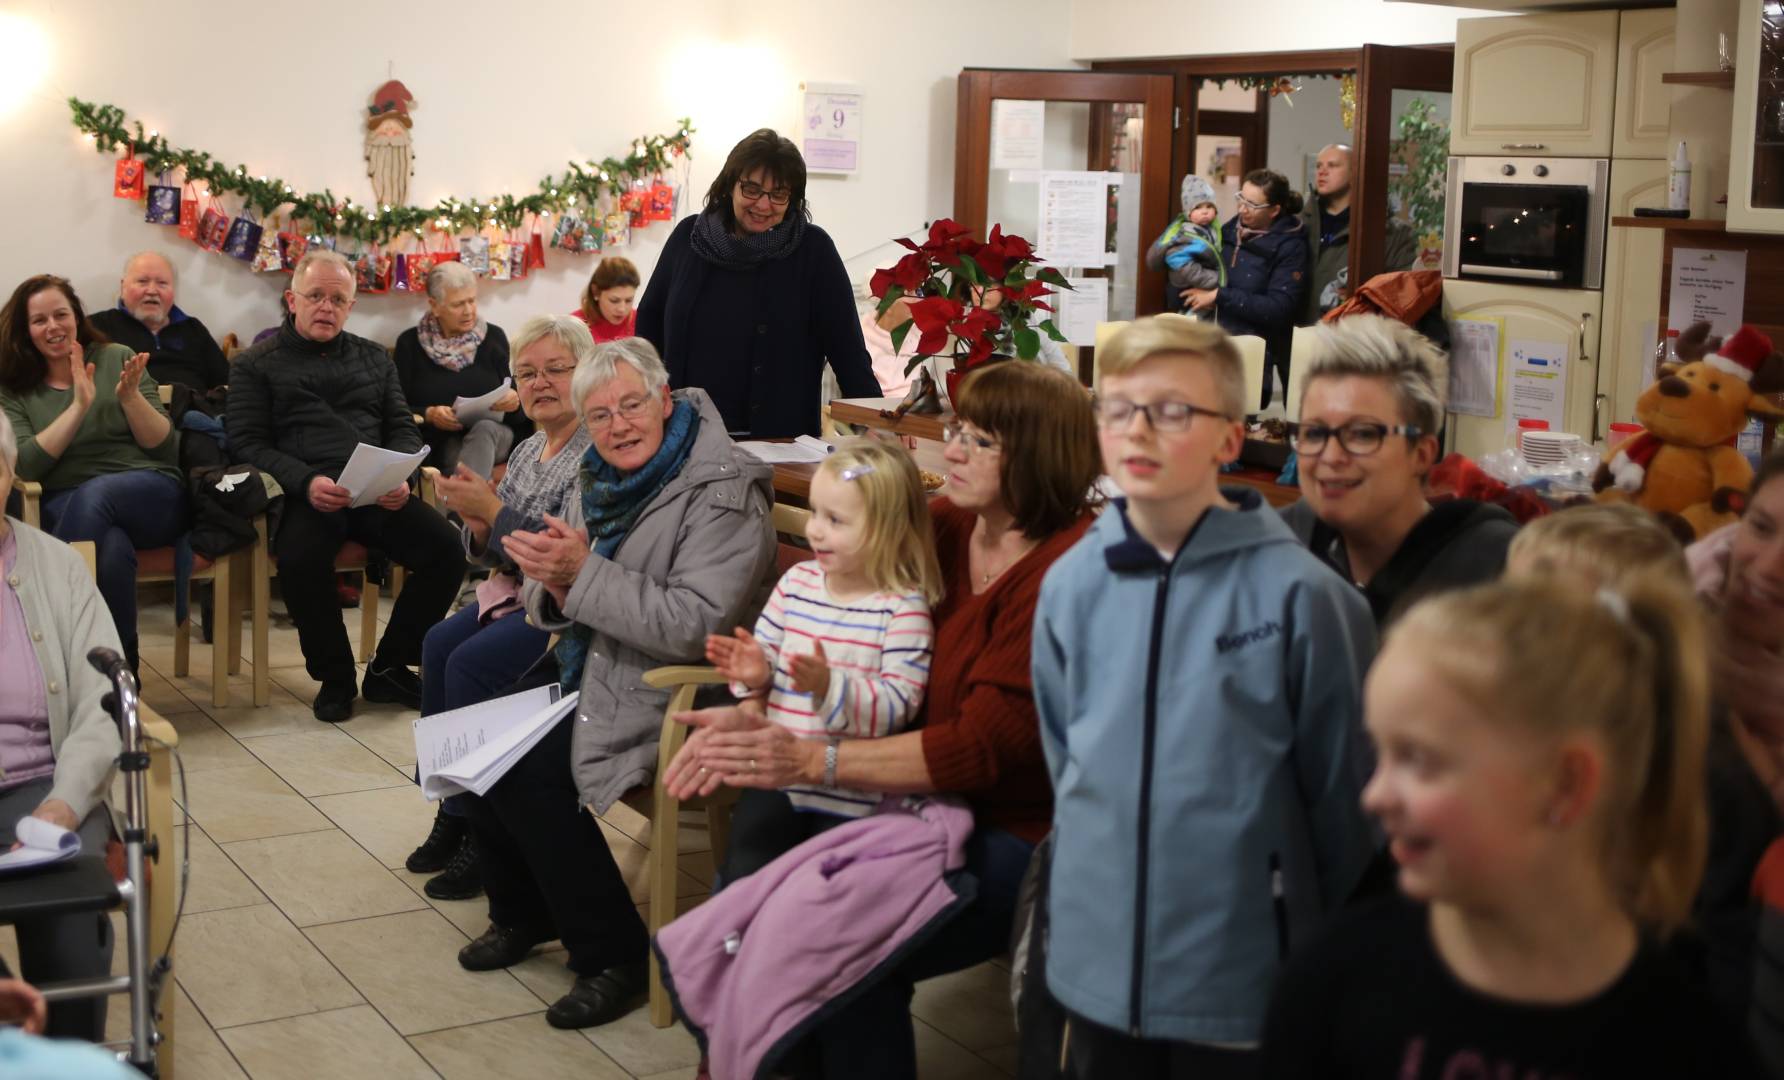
(426,383)
(298,408)
(756,340)
(1266,284)
(183,352)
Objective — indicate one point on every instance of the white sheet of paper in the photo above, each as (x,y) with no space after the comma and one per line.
(1707,285)
(373,471)
(804,450)
(1018,131)
(43,843)
(469,410)
(1075,218)
(469,749)
(1079,310)
(1536,384)
(1474,366)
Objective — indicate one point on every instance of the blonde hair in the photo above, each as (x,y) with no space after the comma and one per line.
(900,540)
(1634,671)
(1603,543)
(1178,335)
(1380,348)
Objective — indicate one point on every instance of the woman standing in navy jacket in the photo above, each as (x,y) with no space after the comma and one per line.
(749,298)
(1265,246)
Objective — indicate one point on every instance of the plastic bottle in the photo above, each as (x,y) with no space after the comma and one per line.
(1678,180)
(1751,441)
(1666,352)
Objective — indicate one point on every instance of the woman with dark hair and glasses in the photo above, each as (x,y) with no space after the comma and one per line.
(1371,406)
(1265,248)
(749,299)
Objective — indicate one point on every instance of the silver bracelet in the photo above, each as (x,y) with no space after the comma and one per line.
(830,762)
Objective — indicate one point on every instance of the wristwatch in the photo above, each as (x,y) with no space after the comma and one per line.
(830,761)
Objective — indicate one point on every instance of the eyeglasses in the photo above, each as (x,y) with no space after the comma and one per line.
(630,408)
(527,376)
(975,443)
(752,191)
(1166,417)
(338,301)
(1359,437)
(1249,205)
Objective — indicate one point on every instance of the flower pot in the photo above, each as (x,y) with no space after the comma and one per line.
(954,376)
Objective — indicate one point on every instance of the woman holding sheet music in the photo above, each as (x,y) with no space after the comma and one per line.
(670,541)
(480,651)
(454,353)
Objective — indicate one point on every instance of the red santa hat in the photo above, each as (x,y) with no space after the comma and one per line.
(390,101)
(1742,354)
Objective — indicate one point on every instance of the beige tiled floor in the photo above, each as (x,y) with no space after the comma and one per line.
(307,951)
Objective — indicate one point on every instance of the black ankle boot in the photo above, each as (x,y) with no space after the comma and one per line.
(441,844)
(463,878)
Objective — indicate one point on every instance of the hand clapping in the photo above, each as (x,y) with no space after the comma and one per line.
(739,658)
(129,376)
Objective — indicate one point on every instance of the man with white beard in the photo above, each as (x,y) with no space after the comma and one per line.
(389,154)
(146,319)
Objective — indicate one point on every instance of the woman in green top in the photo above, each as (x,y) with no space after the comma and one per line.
(91,430)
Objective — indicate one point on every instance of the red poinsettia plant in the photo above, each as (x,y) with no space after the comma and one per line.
(970,299)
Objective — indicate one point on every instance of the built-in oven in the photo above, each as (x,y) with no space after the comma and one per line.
(1534,221)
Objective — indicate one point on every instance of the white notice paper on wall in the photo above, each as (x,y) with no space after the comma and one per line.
(1707,285)
(832,134)
(1075,218)
(1018,129)
(1475,357)
(1536,384)
(1078,311)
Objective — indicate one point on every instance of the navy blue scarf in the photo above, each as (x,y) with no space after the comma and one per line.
(611,503)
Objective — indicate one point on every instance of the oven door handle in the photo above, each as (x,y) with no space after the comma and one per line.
(1523,146)
(1520,272)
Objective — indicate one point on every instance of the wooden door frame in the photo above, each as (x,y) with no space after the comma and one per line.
(1384,68)
(972,145)
(1368,249)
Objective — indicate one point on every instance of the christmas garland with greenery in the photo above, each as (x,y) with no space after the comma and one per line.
(583,185)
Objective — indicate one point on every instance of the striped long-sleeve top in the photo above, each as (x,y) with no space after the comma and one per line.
(878,648)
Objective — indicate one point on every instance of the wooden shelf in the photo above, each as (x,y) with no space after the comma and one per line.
(1720,80)
(1677,224)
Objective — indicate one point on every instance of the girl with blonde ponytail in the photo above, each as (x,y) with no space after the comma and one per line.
(1540,779)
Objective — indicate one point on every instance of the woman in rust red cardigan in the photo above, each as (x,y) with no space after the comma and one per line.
(1022,464)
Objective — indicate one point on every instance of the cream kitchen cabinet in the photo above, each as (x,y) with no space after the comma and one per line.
(1565,318)
(1632,265)
(1535,84)
(1756,158)
(1644,104)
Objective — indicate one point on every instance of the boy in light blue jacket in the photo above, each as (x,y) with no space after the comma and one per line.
(1198,675)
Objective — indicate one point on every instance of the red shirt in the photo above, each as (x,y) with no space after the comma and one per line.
(981,735)
(606,331)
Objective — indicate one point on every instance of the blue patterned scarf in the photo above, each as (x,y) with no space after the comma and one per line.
(611,503)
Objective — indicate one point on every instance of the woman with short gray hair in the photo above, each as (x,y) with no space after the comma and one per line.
(1372,406)
(454,353)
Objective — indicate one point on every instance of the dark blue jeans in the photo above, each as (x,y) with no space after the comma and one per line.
(120,512)
(463,664)
(872,1036)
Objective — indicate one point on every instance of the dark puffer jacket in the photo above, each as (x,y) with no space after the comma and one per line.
(1266,283)
(298,408)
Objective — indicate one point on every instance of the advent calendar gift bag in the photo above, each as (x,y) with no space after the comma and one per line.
(189,211)
(266,257)
(127,177)
(164,204)
(213,227)
(243,239)
(501,260)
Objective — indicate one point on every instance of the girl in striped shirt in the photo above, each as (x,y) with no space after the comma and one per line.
(842,649)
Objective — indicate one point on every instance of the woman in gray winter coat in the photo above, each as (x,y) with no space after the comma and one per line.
(673,543)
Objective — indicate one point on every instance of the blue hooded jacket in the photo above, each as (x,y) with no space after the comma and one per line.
(1202,721)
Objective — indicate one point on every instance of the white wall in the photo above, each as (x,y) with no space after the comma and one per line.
(499,105)
(1103,30)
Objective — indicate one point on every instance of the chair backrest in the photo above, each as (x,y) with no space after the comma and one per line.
(1251,352)
(789,533)
(89,553)
(1299,355)
(683,681)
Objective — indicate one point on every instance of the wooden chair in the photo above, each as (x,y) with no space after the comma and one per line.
(789,529)
(164,878)
(156,565)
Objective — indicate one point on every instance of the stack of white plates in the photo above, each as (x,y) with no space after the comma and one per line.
(1549,447)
